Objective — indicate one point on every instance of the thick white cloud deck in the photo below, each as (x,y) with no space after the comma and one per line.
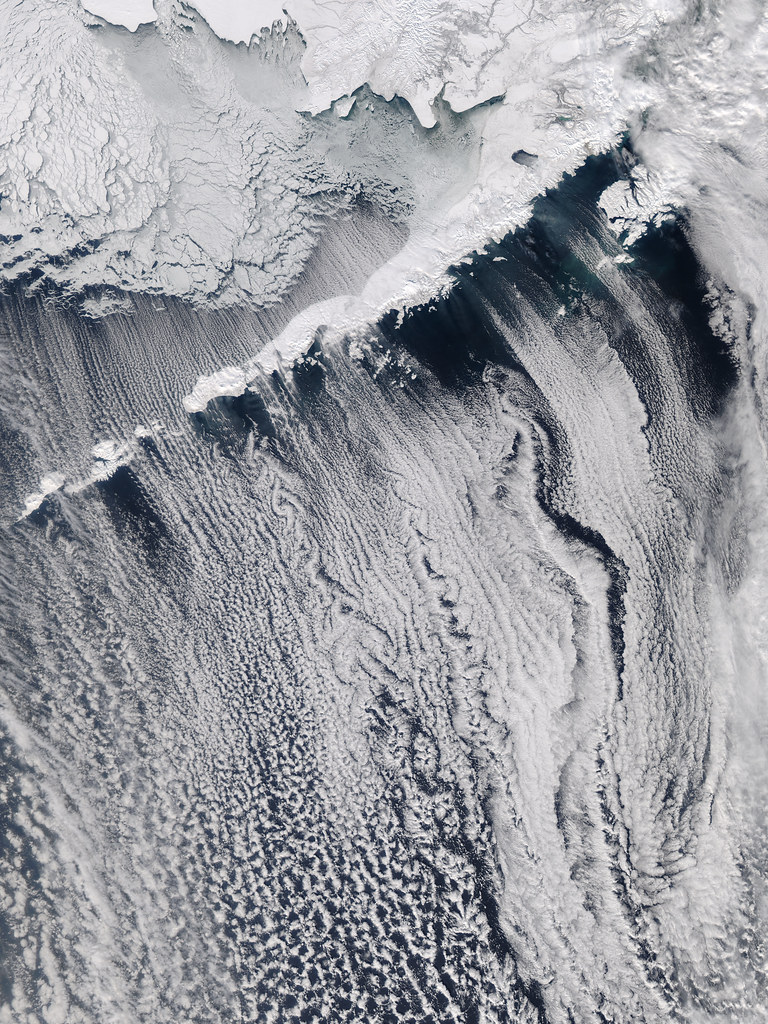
(383,594)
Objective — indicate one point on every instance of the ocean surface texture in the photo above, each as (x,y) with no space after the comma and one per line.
(384,512)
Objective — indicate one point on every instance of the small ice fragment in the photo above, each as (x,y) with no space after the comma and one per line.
(343,106)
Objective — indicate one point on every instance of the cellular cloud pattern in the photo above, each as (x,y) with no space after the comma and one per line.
(384,611)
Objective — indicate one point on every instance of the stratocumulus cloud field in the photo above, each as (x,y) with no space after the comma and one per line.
(384,528)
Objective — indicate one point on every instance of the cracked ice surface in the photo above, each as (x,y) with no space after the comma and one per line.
(171,161)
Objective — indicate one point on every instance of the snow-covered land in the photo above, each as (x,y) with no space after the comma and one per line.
(173,161)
